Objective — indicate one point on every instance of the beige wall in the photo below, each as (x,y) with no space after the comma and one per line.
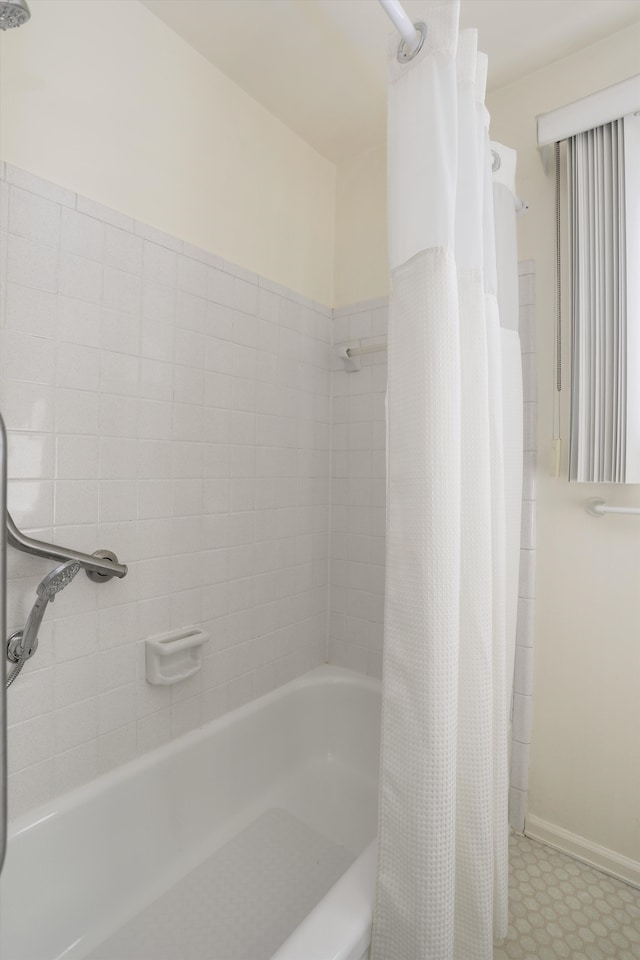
(361,264)
(585,768)
(101,97)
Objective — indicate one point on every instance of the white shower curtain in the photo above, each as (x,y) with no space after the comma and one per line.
(442,871)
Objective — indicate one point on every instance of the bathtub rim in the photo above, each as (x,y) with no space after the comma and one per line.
(339,926)
(65,802)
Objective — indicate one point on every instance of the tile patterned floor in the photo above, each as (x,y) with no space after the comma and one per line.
(560,909)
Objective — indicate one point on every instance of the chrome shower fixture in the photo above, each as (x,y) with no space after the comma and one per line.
(13,13)
(23,643)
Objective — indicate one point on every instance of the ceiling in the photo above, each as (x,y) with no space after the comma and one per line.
(320,65)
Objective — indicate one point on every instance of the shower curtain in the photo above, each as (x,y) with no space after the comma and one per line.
(442,867)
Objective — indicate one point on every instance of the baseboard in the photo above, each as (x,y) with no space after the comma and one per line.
(614,864)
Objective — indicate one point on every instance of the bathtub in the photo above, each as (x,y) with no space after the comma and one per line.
(259,826)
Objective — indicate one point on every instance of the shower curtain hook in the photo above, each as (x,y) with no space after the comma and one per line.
(405,54)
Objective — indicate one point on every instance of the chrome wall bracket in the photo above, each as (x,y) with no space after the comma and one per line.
(99,576)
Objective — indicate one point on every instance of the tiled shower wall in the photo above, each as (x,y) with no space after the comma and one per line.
(358,479)
(179,410)
(523,677)
(169,406)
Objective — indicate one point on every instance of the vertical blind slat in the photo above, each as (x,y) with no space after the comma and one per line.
(598,232)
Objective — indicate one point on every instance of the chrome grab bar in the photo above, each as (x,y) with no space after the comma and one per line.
(597,508)
(100,566)
(3,633)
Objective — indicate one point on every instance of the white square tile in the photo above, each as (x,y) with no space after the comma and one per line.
(530,426)
(219,355)
(185,716)
(160,265)
(75,636)
(188,385)
(78,321)
(118,416)
(118,500)
(27,406)
(116,708)
(517,810)
(118,458)
(154,459)
(157,340)
(189,348)
(526,622)
(187,497)
(123,250)
(118,373)
(76,766)
(77,367)
(33,217)
(527,289)
(154,730)
(31,742)
(31,697)
(523,676)
(77,458)
(187,422)
(155,420)
(120,332)
(192,276)
(158,303)
(82,235)
(191,312)
(220,287)
(117,625)
(75,724)
(528,525)
(245,297)
(522,718)
(31,311)
(219,320)
(121,291)
(76,501)
(29,788)
(32,264)
(529,386)
(155,498)
(156,379)
(116,747)
(73,681)
(529,476)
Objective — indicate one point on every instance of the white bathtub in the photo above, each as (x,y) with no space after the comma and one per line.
(103,871)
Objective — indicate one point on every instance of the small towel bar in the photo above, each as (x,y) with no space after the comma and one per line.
(597,508)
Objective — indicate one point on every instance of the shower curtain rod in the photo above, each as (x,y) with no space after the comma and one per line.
(412,34)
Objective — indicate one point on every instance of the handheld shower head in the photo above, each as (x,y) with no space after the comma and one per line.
(57,580)
(13,13)
(23,643)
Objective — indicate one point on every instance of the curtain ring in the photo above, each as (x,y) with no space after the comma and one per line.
(404,54)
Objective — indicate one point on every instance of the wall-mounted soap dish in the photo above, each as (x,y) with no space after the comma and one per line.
(174,656)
